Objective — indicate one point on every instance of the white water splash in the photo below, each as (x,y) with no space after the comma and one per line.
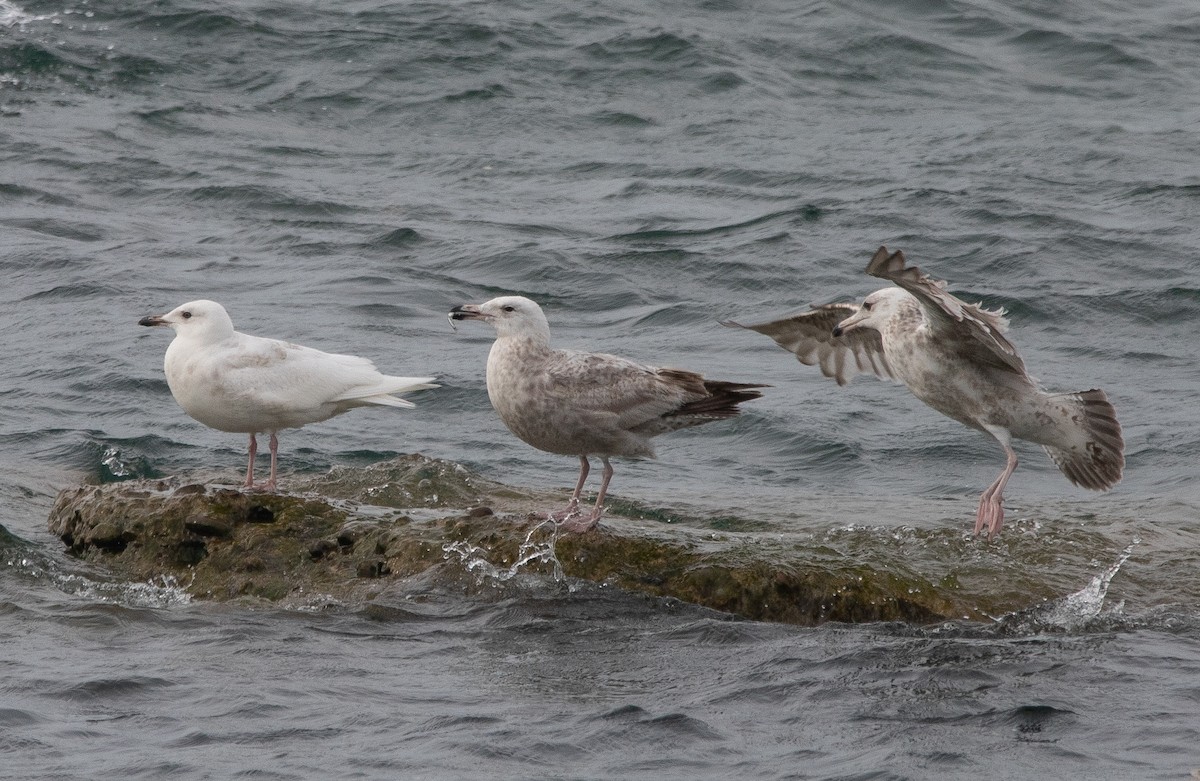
(530,551)
(112,460)
(1075,610)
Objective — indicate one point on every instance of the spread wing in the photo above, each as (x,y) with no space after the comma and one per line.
(948,314)
(809,336)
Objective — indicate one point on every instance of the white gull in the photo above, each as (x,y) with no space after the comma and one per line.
(234,382)
(588,404)
(955,357)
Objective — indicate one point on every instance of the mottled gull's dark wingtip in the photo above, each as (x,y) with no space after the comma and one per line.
(734,393)
(886,264)
(721,399)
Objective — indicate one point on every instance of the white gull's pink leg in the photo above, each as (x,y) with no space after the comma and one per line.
(270,486)
(250,465)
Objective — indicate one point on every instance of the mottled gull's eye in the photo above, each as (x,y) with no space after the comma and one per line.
(867,305)
(509,308)
(186,315)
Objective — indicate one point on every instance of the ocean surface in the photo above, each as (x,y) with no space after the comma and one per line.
(342,174)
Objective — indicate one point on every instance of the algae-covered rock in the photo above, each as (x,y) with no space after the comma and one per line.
(407,481)
(350,534)
(220,541)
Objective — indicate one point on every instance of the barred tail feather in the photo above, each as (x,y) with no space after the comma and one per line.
(1099,463)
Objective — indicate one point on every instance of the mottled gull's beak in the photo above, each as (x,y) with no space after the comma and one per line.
(152,320)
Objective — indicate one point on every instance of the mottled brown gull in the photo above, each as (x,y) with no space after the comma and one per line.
(588,404)
(955,357)
(234,382)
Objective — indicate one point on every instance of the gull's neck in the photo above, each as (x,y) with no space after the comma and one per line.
(531,338)
(207,336)
(908,319)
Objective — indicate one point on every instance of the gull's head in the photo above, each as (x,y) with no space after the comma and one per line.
(511,316)
(875,311)
(202,320)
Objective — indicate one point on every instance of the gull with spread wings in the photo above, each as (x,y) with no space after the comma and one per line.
(955,357)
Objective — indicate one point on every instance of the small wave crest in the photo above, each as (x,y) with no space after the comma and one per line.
(160,591)
(113,465)
(12,15)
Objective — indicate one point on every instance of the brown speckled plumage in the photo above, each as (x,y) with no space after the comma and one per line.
(588,404)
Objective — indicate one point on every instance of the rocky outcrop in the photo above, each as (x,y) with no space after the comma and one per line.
(353,532)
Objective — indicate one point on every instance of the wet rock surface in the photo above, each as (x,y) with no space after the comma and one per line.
(350,534)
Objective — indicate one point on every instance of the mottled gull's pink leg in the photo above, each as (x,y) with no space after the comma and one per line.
(990,516)
(250,465)
(573,506)
(270,486)
(593,520)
